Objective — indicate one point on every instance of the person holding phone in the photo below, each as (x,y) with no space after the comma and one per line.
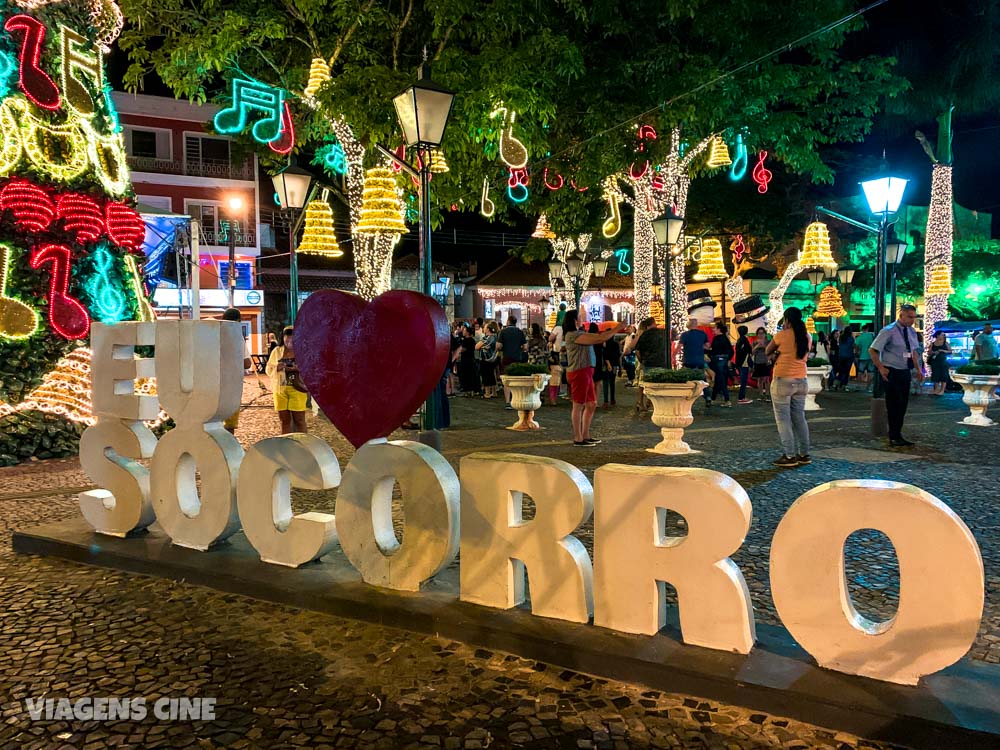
(286,382)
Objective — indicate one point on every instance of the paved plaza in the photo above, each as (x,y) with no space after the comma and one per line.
(289,678)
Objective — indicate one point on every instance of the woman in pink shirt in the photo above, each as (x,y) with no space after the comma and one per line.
(789,388)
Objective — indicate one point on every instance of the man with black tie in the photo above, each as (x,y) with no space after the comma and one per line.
(894,354)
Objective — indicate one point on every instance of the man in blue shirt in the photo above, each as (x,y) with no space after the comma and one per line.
(894,354)
(694,344)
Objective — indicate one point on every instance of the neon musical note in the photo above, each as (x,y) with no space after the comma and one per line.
(285,141)
(555,185)
(738,249)
(512,151)
(35,82)
(578,189)
(17,320)
(624,267)
(739,168)
(108,299)
(613,224)
(333,158)
(35,134)
(146,312)
(518,181)
(488,207)
(645,133)
(400,153)
(77,58)
(67,316)
(761,174)
(249,96)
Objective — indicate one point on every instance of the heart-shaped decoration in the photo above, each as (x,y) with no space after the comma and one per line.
(369,365)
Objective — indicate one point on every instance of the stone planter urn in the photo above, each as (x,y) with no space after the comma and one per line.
(672,413)
(525,396)
(814,378)
(978,396)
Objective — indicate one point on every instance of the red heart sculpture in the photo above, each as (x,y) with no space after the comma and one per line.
(369,365)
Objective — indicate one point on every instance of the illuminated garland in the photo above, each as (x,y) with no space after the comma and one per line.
(761,174)
(319,237)
(31,205)
(816,247)
(830,304)
(499,292)
(109,298)
(811,325)
(711,266)
(81,216)
(938,250)
(382,206)
(487,207)
(65,390)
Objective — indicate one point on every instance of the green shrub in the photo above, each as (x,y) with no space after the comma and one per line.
(978,369)
(663,375)
(817,362)
(522,368)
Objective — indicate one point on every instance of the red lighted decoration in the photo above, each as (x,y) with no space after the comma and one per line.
(285,141)
(761,174)
(357,385)
(556,184)
(81,216)
(31,205)
(125,226)
(67,316)
(34,82)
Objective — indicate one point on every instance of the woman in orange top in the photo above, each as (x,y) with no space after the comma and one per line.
(789,387)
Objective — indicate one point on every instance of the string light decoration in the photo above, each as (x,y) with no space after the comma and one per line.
(65,390)
(249,97)
(816,247)
(761,174)
(718,154)
(542,229)
(34,82)
(776,296)
(332,158)
(939,282)
(487,207)
(382,205)
(738,170)
(517,185)
(556,182)
(319,237)
(711,267)
(79,57)
(613,224)
(146,312)
(31,205)
(437,164)
(811,325)
(67,316)
(738,248)
(109,301)
(81,216)
(17,320)
(938,250)
(830,304)
(125,226)
(319,73)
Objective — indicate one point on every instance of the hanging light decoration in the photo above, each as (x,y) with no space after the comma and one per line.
(830,304)
(810,324)
(438,164)
(542,230)
(319,73)
(718,154)
(381,207)
(319,237)
(711,266)
(816,248)
(940,280)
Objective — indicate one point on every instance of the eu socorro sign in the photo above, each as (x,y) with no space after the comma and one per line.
(198,370)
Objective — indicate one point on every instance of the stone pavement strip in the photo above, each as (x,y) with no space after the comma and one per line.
(289,678)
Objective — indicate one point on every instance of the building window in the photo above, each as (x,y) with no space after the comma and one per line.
(147,143)
(215,226)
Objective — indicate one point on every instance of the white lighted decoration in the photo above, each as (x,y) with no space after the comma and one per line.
(941,587)
(199,376)
(499,547)
(430,494)
(938,250)
(633,565)
(268,472)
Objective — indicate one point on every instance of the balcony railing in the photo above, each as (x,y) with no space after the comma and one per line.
(203,168)
(221,237)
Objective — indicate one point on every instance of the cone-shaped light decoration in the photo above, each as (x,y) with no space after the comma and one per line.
(550,321)
(816,248)
(318,238)
(381,207)
(718,155)
(940,281)
(711,266)
(656,309)
(542,230)
(319,73)
(438,165)
(810,324)
(830,304)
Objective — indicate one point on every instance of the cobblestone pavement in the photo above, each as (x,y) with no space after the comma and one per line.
(288,678)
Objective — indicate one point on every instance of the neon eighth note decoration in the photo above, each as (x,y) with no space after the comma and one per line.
(253,96)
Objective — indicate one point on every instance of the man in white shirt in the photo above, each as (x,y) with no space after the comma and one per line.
(986,345)
(894,354)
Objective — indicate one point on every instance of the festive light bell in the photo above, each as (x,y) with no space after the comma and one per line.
(810,324)
(438,164)
(381,207)
(718,155)
(319,238)
(319,73)
(542,230)
(656,311)
(711,266)
(816,248)
(550,321)
(940,280)
(830,304)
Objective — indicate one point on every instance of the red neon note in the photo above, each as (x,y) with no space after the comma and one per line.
(761,174)
(285,141)
(35,82)
(67,316)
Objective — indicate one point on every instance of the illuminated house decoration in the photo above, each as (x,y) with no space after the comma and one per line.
(718,154)
(381,206)
(830,304)
(542,230)
(711,266)
(816,248)
(71,235)
(940,281)
(319,237)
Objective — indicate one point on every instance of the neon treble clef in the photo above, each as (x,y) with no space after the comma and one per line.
(108,300)
(761,174)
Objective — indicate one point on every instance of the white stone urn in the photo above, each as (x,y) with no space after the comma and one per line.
(525,396)
(814,381)
(978,396)
(672,413)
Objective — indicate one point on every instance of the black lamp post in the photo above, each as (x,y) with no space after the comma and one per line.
(895,249)
(292,188)
(667,230)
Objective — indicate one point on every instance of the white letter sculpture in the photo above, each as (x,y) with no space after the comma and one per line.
(268,472)
(633,556)
(941,587)
(498,545)
(109,449)
(199,379)
(364,513)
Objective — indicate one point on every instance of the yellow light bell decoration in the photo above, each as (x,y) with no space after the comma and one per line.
(438,164)
(711,266)
(319,73)
(816,248)
(319,237)
(810,324)
(381,207)
(550,321)
(830,304)
(940,282)
(718,155)
(656,305)
(542,230)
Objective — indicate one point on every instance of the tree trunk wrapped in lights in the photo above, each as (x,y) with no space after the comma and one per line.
(938,249)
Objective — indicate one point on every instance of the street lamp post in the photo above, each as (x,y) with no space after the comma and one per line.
(895,249)
(235,210)
(292,188)
(667,230)
(423,111)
